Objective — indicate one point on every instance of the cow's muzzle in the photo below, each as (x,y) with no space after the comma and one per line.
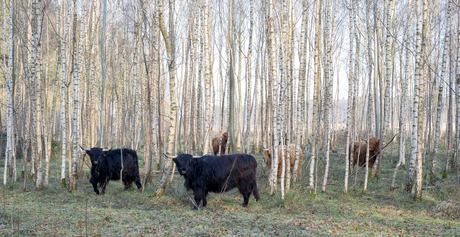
(182,172)
(96,163)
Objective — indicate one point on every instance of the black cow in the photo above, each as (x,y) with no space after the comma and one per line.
(106,166)
(218,174)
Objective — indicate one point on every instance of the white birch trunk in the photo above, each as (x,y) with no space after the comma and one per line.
(457,79)
(276,139)
(315,96)
(328,94)
(440,95)
(386,112)
(63,97)
(207,78)
(173,110)
(301,93)
(349,107)
(38,85)
(76,107)
(9,153)
(248,83)
(415,114)
(422,106)
(403,113)
(283,94)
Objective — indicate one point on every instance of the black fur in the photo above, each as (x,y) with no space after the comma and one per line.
(218,174)
(106,166)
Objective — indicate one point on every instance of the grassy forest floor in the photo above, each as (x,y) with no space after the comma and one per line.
(379,212)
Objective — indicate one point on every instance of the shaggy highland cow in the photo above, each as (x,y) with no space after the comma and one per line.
(218,174)
(106,166)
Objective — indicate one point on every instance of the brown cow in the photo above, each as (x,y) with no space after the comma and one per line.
(268,159)
(215,143)
(374,147)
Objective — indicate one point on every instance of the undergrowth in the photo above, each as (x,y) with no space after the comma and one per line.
(55,211)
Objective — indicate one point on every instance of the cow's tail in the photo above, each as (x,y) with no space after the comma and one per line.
(255,191)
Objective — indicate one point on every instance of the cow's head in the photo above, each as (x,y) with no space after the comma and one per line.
(96,155)
(267,157)
(183,162)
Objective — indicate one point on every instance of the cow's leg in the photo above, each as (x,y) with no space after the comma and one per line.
(127,182)
(199,193)
(138,182)
(104,185)
(204,198)
(94,183)
(245,188)
(255,190)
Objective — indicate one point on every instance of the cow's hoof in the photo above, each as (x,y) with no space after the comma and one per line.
(244,204)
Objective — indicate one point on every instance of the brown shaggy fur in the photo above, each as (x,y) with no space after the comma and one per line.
(374,147)
(268,160)
(215,143)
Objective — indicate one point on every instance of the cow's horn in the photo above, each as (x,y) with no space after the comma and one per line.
(197,156)
(85,149)
(105,150)
(170,157)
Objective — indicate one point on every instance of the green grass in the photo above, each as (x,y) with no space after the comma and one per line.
(380,212)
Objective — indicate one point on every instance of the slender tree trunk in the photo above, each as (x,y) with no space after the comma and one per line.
(248,111)
(315,95)
(301,92)
(38,116)
(328,94)
(208,76)
(276,140)
(386,105)
(349,107)
(422,104)
(173,110)
(76,106)
(231,133)
(415,119)
(457,79)
(63,98)
(9,154)
(440,96)
(402,118)
(103,69)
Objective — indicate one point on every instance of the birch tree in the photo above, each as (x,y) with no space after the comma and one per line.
(415,112)
(9,156)
(328,94)
(172,93)
(207,77)
(404,91)
(249,80)
(348,151)
(457,82)
(76,103)
(315,95)
(272,57)
(64,96)
(301,92)
(440,95)
(388,61)
(36,73)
